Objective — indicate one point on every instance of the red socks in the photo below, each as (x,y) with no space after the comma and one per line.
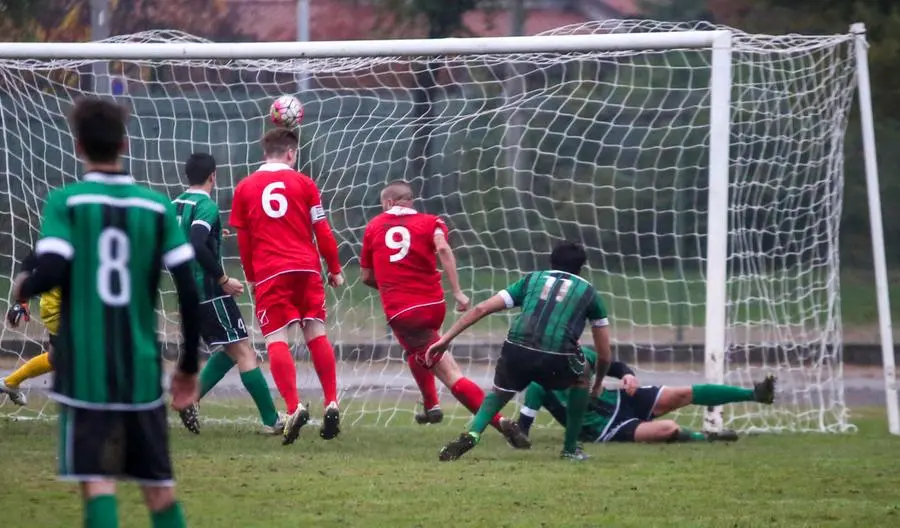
(322,356)
(281,363)
(471,396)
(425,380)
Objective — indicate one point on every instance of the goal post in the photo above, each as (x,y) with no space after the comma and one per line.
(701,166)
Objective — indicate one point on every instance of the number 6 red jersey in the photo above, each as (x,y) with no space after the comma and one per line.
(398,246)
(277,206)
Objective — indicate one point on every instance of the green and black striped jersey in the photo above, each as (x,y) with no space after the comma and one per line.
(117,236)
(555,307)
(196,207)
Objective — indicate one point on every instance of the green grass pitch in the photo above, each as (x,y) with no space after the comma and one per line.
(389,476)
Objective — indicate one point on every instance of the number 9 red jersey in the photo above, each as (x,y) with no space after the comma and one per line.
(398,246)
(278,206)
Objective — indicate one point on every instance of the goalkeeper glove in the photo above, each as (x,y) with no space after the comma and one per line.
(16,313)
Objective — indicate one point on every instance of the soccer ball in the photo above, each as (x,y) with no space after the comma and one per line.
(286,111)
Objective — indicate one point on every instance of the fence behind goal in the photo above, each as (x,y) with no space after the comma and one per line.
(516,151)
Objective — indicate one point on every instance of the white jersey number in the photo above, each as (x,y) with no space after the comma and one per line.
(398,238)
(113,279)
(274,203)
(548,287)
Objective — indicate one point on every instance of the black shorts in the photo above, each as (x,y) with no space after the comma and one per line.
(630,413)
(125,445)
(221,322)
(518,366)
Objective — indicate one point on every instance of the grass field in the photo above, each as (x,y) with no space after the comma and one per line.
(375,476)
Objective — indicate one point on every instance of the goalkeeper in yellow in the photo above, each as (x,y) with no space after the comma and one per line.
(38,365)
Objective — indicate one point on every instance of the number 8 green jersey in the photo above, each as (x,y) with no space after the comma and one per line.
(117,236)
(555,307)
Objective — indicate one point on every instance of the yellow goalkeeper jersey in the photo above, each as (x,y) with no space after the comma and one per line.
(50,310)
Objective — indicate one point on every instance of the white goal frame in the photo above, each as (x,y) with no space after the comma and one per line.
(718,41)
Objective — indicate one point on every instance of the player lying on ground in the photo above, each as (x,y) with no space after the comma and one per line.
(398,259)
(630,413)
(103,242)
(542,344)
(221,323)
(40,364)
(282,230)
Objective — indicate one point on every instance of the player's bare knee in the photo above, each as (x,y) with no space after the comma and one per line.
(279,336)
(657,431)
(243,355)
(158,498)
(447,370)
(313,329)
(97,488)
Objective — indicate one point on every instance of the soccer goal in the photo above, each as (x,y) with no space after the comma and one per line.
(701,166)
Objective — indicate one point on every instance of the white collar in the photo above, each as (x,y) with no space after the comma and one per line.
(401,211)
(197,191)
(103,177)
(273,167)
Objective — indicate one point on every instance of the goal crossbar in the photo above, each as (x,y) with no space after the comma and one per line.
(361,48)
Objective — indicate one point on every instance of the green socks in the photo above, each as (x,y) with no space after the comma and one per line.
(712,395)
(575,409)
(686,435)
(215,369)
(171,517)
(256,385)
(101,512)
(491,405)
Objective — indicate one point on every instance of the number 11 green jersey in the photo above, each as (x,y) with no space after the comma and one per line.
(117,235)
(555,308)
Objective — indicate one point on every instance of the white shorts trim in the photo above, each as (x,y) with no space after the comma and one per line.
(123,478)
(215,299)
(505,390)
(616,430)
(257,283)
(652,414)
(289,323)
(612,418)
(226,343)
(414,307)
(71,402)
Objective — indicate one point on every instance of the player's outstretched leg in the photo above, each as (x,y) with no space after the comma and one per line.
(492,404)
(472,397)
(34,367)
(432,412)
(709,395)
(322,355)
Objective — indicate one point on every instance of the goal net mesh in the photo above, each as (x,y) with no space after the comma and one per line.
(516,152)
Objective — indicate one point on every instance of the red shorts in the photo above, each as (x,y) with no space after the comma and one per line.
(287,298)
(418,328)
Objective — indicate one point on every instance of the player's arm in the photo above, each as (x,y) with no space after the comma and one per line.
(18,309)
(504,299)
(600,334)
(325,241)
(366,274)
(238,220)
(177,258)
(53,252)
(207,216)
(448,262)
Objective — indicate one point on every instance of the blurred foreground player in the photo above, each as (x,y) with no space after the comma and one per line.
(221,322)
(630,414)
(103,242)
(398,259)
(282,230)
(542,344)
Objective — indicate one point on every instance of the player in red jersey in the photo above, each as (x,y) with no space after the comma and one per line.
(282,231)
(398,259)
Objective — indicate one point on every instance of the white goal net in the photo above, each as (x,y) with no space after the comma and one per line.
(516,152)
